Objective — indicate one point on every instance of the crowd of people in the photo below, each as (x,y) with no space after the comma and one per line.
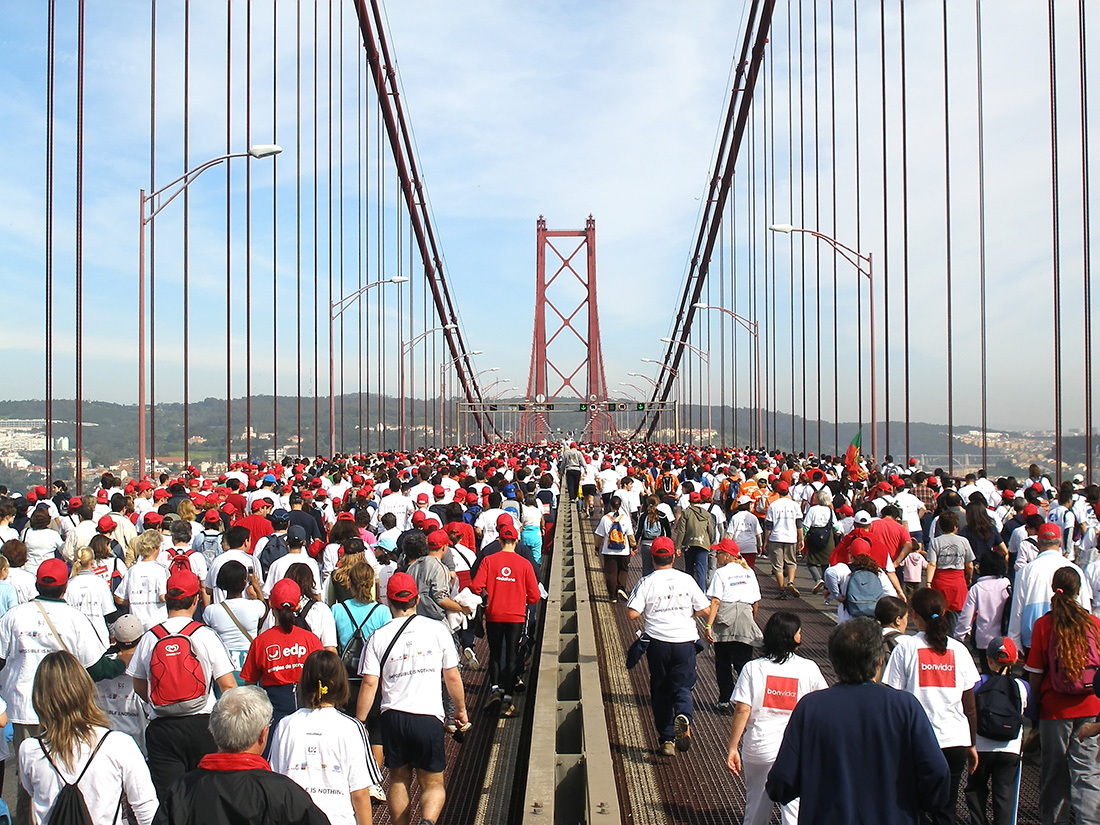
(292,637)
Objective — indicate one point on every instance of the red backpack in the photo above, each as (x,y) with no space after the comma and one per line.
(180,561)
(177,684)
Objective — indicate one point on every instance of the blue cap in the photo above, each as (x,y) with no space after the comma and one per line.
(269,479)
(280,514)
(509,490)
(387,544)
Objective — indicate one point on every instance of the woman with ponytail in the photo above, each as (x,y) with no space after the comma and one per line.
(653,522)
(276,656)
(1062,666)
(940,672)
(89,594)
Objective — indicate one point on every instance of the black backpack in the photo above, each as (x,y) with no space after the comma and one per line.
(69,807)
(1000,711)
(300,616)
(353,650)
(275,548)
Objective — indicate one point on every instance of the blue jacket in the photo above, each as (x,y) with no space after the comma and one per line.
(860,754)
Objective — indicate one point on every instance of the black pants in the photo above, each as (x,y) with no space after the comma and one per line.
(956,763)
(175,745)
(727,657)
(504,665)
(1003,769)
(573,483)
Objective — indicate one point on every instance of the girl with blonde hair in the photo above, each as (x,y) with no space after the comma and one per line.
(70,749)
(89,594)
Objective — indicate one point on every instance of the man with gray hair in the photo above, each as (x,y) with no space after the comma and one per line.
(236,785)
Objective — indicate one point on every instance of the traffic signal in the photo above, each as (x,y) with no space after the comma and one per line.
(584,407)
(641,407)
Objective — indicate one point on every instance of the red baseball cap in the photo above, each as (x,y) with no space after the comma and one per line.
(727,545)
(106,524)
(101,496)
(183,584)
(694,497)
(1050,531)
(285,593)
(346,517)
(260,502)
(212,517)
(422,498)
(782,487)
(437,540)
(74,503)
(1031,510)
(53,572)
(153,520)
(438,491)
(508,531)
(418,518)
(401,587)
(663,548)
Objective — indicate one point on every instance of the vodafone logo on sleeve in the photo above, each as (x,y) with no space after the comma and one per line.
(780,693)
(936,669)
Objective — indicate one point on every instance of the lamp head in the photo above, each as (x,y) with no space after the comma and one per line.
(784,228)
(699,305)
(450,326)
(399,279)
(476,352)
(264,150)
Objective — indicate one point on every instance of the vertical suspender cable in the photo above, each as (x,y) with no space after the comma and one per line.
(832,155)
(360,230)
(757,439)
(275,238)
(228,226)
(50,56)
(316,238)
(947,216)
(340,96)
(298,222)
(380,249)
(790,211)
(1056,239)
(186,231)
(905,224)
(817,247)
(248,233)
(79,416)
(1087,247)
(722,336)
(802,216)
(859,222)
(885,238)
(328,198)
(769,283)
(981,234)
(152,267)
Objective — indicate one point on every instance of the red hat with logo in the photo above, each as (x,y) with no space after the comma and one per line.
(439,491)
(727,545)
(507,531)
(101,497)
(286,593)
(437,540)
(662,548)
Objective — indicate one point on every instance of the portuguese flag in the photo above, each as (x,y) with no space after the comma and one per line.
(851,458)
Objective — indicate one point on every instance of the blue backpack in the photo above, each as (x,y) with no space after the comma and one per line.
(862,594)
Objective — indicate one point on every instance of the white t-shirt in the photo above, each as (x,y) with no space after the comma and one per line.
(938,681)
(326,753)
(26,638)
(144,586)
(609,481)
(743,528)
(196,559)
(771,691)
(603,531)
(208,648)
(126,711)
(734,583)
(24,584)
(41,545)
(667,600)
(89,594)
(784,516)
(410,676)
(249,612)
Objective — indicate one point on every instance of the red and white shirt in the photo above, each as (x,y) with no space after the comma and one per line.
(771,690)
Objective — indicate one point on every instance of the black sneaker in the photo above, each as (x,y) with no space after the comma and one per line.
(492,701)
(519,687)
(623,594)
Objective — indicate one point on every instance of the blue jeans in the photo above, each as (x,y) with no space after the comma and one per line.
(671,679)
(695,565)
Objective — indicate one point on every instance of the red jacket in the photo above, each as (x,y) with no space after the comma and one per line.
(509,580)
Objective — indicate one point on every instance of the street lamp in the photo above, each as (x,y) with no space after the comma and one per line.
(705,358)
(753,330)
(857,260)
(151,206)
(634,387)
(642,375)
(443,389)
(335,310)
(679,388)
(495,383)
(405,349)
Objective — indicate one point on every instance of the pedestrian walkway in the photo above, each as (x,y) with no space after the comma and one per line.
(695,788)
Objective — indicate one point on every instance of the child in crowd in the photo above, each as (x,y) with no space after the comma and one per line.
(998,759)
(912,571)
(893,614)
(985,605)
(125,710)
(145,584)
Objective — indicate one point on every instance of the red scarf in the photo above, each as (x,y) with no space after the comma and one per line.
(234,762)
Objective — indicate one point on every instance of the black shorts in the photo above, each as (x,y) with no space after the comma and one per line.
(413,739)
(588,490)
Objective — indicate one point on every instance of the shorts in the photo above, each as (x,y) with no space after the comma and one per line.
(588,490)
(413,739)
(784,554)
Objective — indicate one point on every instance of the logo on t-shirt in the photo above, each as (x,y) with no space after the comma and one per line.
(936,669)
(780,693)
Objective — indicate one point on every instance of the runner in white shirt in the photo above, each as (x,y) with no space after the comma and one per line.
(235,619)
(90,594)
(766,693)
(731,622)
(325,751)
(940,672)
(145,584)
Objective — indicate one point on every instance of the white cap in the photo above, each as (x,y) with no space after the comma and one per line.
(863,518)
(744,500)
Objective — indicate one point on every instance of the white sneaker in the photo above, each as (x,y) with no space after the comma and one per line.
(376,793)
(471,657)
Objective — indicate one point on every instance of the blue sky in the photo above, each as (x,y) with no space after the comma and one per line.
(560,109)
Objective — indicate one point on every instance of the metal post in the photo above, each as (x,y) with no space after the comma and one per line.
(874,406)
(331,383)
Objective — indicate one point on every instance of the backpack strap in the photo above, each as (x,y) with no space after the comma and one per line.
(305,610)
(53,630)
(389,647)
(87,764)
(237,621)
(358,627)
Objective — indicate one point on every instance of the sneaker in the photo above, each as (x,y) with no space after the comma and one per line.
(376,793)
(818,587)
(794,591)
(519,687)
(723,706)
(471,657)
(508,708)
(623,594)
(668,749)
(782,594)
(492,701)
(683,732)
